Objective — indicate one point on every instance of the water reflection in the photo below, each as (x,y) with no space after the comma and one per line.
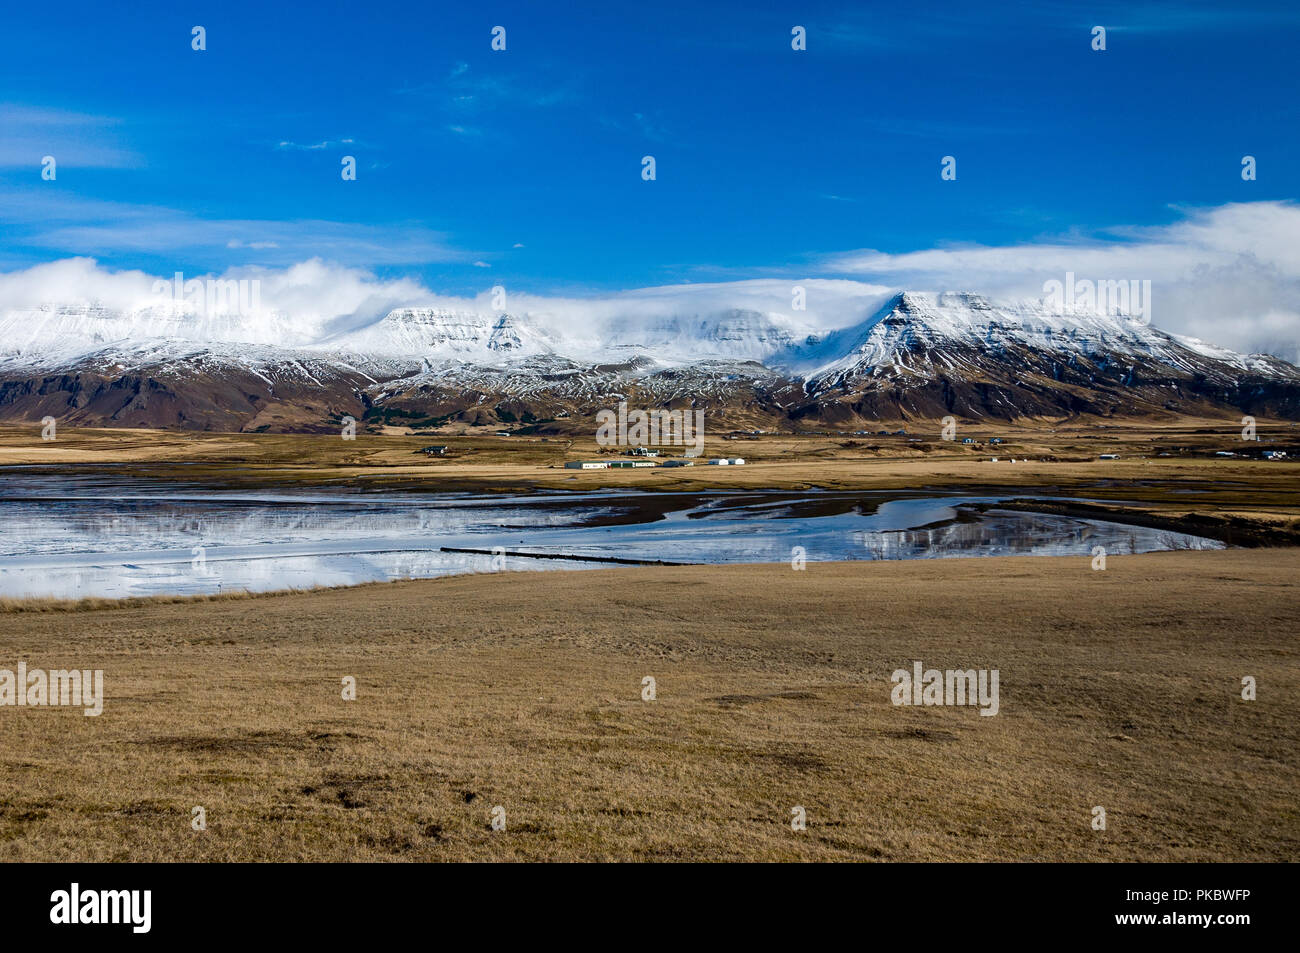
(68,538)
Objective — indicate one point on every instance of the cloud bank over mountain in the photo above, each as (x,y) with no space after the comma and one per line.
(1230,275)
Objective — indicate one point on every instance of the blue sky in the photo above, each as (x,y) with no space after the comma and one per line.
(523,167)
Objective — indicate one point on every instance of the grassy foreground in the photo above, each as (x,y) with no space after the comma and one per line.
(1119,689)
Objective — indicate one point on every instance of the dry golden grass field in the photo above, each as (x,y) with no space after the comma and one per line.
(1119,689)
(1062,456)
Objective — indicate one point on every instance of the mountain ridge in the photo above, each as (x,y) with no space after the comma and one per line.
(919,354)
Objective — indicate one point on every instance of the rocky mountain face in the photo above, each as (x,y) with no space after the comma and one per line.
(927,355)
(919,356)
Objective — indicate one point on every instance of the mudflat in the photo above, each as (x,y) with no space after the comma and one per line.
(1119,689)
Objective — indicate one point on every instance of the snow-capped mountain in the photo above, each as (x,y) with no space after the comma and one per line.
(424,333)
(674,338)
(58,335)
(953,324)
(916,355)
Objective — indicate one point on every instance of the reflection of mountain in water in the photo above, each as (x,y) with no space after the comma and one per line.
(59,539)
(1006,533)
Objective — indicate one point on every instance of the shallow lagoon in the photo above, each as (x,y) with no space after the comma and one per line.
(69,537)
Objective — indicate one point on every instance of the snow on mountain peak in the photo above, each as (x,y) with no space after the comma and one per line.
(665,330)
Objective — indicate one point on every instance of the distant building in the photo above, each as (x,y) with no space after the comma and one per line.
(719,462)
(1109,456)
(1274,454)
(434,451)
(968,440)
(679,463)
(502,433)
(995,440)
(587,465)
(736,462)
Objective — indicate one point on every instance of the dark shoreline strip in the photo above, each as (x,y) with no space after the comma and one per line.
(581,559)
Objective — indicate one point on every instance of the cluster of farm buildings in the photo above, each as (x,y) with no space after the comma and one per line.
(630,464)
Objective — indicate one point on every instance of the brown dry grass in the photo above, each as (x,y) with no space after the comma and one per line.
(487,463)
(96,603)
(1119,688)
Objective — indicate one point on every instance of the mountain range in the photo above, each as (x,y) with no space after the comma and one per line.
(916,356)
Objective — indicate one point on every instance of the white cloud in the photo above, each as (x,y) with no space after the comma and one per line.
(76,281)
(315,297)
(829,304)
(313,300)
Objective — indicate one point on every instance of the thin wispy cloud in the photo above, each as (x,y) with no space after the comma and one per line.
(71,225)
(1178,16)
(866,31)
(74,139)
(466,90)
(286,145)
